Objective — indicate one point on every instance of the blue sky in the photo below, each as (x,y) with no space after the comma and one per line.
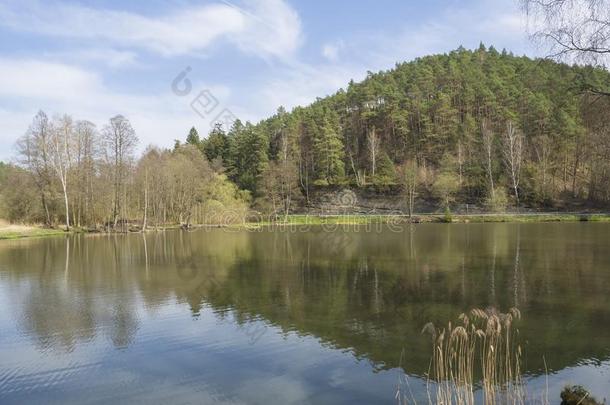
(97,59)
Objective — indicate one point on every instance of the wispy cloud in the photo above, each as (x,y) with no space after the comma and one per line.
(29,85)
(90,72)
(112,58)
(188,30)
(30,79)
(498,23)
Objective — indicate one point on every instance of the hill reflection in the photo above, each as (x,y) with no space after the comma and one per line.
(369,292)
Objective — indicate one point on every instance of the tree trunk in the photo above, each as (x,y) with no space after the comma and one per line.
(145,202)
(65,190)
(46,209)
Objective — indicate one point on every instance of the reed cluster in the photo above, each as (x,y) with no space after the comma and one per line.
(479,351)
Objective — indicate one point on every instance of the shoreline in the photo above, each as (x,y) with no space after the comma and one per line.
(13,232)
(367,219)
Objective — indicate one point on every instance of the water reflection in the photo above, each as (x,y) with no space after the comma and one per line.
(365,292)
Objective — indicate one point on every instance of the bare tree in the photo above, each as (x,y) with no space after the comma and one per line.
(145,217)
(373,144)
(189,175)
(488,144)
(152,179)
(574,30)
(120,140)
(85,156)
(60,145)
(513,156)
(33,150)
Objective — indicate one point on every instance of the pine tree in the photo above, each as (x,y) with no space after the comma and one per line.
(216,145)
(328,147)
(193,138)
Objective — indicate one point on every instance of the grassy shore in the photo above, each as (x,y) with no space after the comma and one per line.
(8,231)
(25,231)
(429,218)
(535,217)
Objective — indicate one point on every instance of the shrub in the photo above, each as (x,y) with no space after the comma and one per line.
(498,202)
(448,218)
(577,395)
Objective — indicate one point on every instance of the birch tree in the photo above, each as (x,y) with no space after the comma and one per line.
(513,156)
(120,140)
(572,28)
(59,150)
(34,155)
(373,144)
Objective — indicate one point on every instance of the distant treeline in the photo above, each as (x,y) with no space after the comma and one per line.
(69,172)
(480,127)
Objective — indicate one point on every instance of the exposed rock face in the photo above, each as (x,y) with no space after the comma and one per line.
(336,200)
(344,200)
(384,200)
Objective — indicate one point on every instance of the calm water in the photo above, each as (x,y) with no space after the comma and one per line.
(213,316)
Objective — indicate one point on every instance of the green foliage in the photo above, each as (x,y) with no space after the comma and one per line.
(247,157)
(447,182)
(498,201)
(225,203)
(386,172)
(447,217)
(328,148)
(444,114)
(193,138)
(216,145)
(445,186)
(433,109)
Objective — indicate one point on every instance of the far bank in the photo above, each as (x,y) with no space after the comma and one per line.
(255,222)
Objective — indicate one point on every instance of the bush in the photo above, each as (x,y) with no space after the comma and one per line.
(445,186)
(577,395)
(499,202)
(448,218)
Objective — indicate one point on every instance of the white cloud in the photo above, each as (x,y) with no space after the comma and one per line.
(300,84)
(29,85)
(14,124)
(499,23)
(27,79)
(267,27)
(106,56)
(272,28)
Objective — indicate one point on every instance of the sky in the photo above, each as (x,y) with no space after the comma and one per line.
(170,65)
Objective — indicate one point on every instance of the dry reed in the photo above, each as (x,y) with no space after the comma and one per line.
(482,344)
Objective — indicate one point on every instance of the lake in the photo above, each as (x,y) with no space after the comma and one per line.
(318,315)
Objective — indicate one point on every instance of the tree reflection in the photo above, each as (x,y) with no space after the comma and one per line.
(370,292)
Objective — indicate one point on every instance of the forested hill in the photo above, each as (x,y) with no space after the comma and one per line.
(469,127)
(476,126)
